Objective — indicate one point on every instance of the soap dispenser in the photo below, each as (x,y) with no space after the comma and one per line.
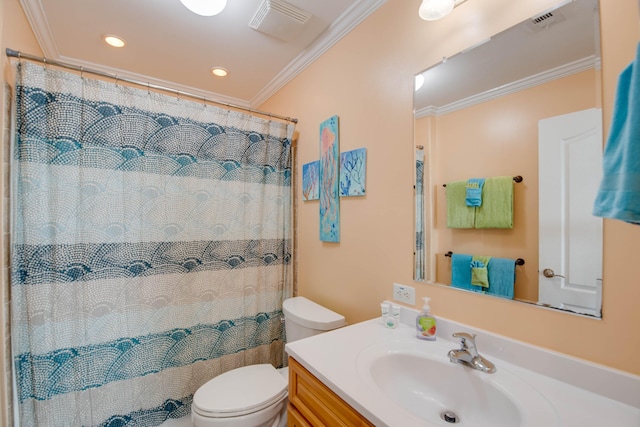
(426,323)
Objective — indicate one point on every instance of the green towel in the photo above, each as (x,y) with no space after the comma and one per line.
(497,203)
(479,272)
(459,215)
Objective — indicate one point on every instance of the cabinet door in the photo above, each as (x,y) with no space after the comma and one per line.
(295,418)
(317,403)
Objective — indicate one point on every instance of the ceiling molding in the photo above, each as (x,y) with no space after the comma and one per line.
(353,16)
(37,18)
(526,83)
(343,25)
(142,80)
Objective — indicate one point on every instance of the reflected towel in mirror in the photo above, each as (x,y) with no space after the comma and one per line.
(479,272)
(501,274)
(474,191)
(461,272)
(497,206)
(459,215)
(502,277)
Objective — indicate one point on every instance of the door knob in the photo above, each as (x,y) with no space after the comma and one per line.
(547,272)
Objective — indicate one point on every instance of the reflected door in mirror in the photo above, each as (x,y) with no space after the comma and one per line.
(570,237)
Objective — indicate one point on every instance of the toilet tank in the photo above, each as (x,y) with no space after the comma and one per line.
(304,318)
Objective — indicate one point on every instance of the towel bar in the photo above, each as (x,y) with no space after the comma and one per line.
(516,178)
(519,261)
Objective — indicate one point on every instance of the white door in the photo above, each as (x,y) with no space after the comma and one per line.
(570,237)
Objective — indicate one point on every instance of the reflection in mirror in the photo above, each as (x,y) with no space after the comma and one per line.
(524,102)
(419,256)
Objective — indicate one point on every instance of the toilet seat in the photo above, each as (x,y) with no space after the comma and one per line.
(240,391)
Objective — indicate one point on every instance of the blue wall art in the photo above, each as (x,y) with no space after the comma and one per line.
(311,181)
(329,181)
(353,170)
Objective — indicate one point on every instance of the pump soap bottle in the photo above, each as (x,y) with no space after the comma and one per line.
(426,323)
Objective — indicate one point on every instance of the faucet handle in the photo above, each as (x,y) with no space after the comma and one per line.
(464,337)
(468,341)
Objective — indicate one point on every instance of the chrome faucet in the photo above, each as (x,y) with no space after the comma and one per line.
(468,354)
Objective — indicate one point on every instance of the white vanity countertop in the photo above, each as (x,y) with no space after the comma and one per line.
(332,358)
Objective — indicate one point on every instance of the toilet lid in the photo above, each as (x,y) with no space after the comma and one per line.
(311,315)
(240,391)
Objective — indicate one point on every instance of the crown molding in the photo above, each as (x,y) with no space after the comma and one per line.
(516,86)
(34,11)
(353,16)
(168,86)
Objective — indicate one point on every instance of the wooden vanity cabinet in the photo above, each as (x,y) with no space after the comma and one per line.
(313,404)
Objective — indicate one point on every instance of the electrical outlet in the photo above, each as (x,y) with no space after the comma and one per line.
(404,293)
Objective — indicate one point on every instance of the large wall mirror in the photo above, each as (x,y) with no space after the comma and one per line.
(524,103)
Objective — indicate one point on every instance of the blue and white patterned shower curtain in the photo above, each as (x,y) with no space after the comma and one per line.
(150,248)
(419,250)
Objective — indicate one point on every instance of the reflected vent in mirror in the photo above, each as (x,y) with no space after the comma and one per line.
(544,21)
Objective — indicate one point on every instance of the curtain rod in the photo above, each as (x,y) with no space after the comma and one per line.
(20,55)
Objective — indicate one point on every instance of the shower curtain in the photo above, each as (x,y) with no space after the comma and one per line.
(419,249)
(151,248)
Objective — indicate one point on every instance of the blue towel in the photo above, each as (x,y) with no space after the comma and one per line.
(461,271)
(502,277)
(619,193)
(474,191)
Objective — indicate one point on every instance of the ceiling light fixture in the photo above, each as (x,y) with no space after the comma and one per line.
(431,10)
(205,7)
(219,71)
(418,82)
(114,41)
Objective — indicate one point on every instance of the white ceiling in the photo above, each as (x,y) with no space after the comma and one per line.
(167,45)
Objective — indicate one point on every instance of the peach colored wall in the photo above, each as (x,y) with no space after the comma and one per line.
(500,138)
(366,79)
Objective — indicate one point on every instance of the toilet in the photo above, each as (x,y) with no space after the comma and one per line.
(256,395)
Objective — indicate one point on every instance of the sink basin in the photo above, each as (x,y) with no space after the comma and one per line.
(419,378)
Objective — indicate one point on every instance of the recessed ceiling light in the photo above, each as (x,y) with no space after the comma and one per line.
(219,71)
(205,7)
(114,41)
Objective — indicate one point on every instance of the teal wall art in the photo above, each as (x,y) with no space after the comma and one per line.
(329,181)
(353,167)
(311,181)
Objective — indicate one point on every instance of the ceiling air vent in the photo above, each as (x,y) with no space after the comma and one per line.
(544,21)
(280,19)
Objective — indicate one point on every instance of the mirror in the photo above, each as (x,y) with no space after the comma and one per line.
(504,107)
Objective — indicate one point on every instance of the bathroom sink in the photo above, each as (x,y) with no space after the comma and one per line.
(419,378)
